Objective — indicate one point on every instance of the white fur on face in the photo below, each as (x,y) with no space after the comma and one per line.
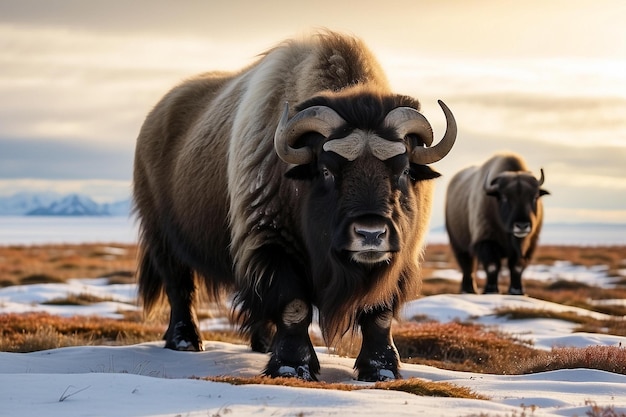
(353,145)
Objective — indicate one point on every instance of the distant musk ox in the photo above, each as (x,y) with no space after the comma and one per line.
(492,212)
(300,181)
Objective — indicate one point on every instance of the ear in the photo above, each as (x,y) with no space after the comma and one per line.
(422,172)
(300,172)
(543,192)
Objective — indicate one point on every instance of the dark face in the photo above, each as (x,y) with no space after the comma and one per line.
(363,210)
(518,202)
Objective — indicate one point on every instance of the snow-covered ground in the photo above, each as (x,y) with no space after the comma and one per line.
(147,380)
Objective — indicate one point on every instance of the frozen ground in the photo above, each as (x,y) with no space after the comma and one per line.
(147,380)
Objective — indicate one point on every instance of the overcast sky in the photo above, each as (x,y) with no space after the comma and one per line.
(543,78)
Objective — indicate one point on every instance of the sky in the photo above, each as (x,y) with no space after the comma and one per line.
(546,79)
(147,380)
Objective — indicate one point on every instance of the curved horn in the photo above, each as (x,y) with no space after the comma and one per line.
(319,119)
(490,186)
(409,120)
(541,180)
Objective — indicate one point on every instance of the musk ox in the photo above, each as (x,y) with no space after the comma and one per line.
(300,181)
(493,212)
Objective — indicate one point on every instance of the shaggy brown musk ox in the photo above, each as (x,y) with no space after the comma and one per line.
(300,181)
(494,211)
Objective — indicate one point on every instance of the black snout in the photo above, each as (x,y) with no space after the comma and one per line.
(521,229)
(371,235)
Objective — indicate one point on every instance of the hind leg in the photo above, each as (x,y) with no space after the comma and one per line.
(178,281)
(467,264)
(183,332)
(261,337)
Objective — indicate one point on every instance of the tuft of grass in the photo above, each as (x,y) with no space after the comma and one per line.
(429,389)
(82,299)
(23,264)
(39,331)
(474,348)
(521,313)
(412,386)
(41,279)
(460,347)
(615,326)
(29,332)
(598,411)
(605,358)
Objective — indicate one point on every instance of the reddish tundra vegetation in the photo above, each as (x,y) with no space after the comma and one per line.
(455,346)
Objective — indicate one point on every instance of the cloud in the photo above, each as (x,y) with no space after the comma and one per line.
(77,79)
(38,158)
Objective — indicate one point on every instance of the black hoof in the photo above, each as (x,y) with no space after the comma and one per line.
(184,337)
(302,372)
(305,367)
(376,375)
(516,291)
(491,290)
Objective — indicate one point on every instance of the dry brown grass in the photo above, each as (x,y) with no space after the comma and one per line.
(57,263)
(474,348)
(614,257)
(39,331)
(461,347)
(456,346)
(605,358)
(614,325)
(411,385)
(562,292)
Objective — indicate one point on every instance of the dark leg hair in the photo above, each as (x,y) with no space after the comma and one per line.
(490,254)
(467,263)
(292,351)
(516,268)
(378,359)
(160,271)
(183,332)
(276,305)
(261,337)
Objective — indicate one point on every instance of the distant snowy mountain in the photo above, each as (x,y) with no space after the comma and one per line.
(118,208)
(52,204)
(21,203)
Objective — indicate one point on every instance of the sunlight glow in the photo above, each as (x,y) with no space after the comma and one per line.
(102,191)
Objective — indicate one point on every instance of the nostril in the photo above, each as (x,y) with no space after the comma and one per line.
(522,226)
(371,236)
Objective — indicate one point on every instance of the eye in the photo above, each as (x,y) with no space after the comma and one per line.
(328,176)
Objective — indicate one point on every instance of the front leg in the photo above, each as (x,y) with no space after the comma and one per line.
(516,268)
(276,312)
(378,359)
(292,351)
(489,254)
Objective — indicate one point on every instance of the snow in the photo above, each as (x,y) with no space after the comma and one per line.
(147,380)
